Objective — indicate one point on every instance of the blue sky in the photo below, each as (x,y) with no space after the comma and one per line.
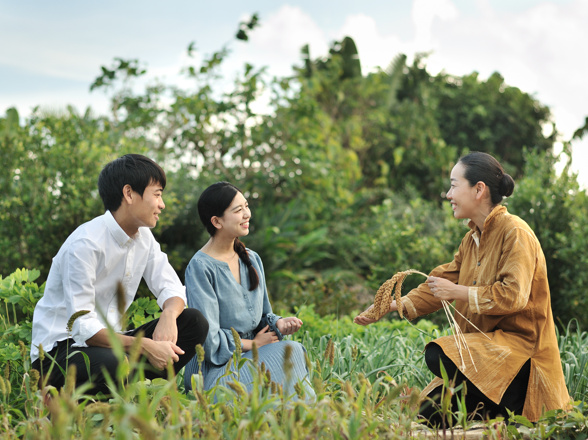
(52,51)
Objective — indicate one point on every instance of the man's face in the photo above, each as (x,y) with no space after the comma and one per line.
(145,210)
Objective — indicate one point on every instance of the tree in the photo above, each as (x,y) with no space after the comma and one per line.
(49,181)
(491,116)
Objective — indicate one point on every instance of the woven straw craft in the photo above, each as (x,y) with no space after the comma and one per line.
(383,301)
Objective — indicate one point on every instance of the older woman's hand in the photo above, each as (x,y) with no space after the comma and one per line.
(446,290)
(363,320)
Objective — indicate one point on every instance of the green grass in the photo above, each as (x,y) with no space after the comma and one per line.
(367,388)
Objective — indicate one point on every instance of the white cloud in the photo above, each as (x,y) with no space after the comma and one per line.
(541,50)
(374,48)
(424,13)
(277,42)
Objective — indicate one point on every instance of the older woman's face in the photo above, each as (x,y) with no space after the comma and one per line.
(461,195)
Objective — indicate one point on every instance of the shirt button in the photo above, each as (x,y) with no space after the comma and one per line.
(479,263)
(474,283)
(250,309)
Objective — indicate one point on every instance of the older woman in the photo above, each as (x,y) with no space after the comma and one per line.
(226,282)
(498,280)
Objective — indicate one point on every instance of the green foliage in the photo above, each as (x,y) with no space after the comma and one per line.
(143,310)
(127,68)
(557,211)
(344,172)
(490,116)
(20,294)
(246,26)
(48,181)
(317,326)
(367,381)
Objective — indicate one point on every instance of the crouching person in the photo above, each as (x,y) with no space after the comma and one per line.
(112,250)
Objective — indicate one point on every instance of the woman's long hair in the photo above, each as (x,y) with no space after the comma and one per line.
(213,202)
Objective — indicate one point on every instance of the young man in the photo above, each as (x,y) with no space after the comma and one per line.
(115,249)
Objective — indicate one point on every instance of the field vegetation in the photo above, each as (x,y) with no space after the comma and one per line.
(367,381)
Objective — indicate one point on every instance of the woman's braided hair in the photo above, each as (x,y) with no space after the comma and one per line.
(213,202)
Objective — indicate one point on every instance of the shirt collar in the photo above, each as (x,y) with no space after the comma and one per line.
(496,211)
(120,236)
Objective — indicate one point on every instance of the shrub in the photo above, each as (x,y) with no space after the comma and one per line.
(557,210)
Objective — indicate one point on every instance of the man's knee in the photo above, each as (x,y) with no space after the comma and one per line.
(91,365)
(193,320)
(102,361)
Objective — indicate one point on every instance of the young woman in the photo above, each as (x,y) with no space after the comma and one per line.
(226,282)
(498,280)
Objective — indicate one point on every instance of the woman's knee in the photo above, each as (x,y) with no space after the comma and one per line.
(433,355)
(296,347)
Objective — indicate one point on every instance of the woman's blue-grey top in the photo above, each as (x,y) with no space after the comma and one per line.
(212,289)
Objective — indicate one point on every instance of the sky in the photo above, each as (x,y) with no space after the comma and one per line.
(52,51)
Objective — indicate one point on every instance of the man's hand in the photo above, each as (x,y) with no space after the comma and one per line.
(288,326)
(159,353)
(167,328)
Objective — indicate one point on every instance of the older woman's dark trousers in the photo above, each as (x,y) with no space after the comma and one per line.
(192,330)
(513,398)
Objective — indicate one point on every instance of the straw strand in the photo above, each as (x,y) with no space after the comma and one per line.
(383,301)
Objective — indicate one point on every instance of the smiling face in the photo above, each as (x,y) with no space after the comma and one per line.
(463,197)
(145,210)
(235,219)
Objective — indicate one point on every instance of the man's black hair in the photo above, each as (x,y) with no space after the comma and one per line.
(131,169)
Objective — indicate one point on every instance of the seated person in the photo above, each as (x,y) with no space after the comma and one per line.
(117,247)
(226,282)
(498,280)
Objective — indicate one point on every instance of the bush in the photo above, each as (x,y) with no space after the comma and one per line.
(365,377)
(557,210)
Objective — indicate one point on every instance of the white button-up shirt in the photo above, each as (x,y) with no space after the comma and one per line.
(84,276)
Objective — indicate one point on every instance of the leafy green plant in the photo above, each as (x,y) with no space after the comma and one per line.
(366,381)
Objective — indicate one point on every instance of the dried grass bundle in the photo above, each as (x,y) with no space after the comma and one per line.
(383,302)
(383,299)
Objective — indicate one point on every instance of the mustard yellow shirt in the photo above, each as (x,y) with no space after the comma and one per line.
(509,301)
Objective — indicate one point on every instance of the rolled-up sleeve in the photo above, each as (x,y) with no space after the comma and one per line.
(421,301)
(161,278)
(79,264)
(219,344)
(516,268)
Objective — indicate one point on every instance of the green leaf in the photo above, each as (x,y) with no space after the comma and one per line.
(523,421)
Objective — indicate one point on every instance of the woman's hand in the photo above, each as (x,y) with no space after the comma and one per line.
(363,320)
(264,337)
(445,290)
(288,326)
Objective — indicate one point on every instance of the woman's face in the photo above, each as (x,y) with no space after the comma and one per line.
(235,220)
(461,195)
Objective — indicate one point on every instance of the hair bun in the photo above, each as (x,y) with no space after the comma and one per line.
(507,185)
